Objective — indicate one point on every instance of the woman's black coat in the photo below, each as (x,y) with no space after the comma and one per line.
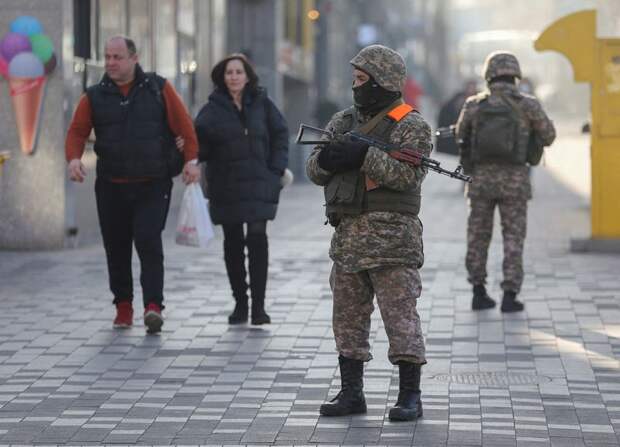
(246,153)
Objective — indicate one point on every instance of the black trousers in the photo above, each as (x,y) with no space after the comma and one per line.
(134,213)
(235,242)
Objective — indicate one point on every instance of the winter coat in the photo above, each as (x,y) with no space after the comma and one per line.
(246,153)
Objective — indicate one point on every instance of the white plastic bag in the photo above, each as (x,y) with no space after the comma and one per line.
(194,227)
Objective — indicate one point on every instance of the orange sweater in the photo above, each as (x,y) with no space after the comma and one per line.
(178,119)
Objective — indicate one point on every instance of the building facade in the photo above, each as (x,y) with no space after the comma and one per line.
(300,49)
(181,40)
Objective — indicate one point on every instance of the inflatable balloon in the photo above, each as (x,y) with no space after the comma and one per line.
(50,65)
(26,25)
(42,46)
(12,44)
(26,65)
(4,67)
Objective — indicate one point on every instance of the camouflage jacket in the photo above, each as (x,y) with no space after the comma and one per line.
(374,239)
(495,180)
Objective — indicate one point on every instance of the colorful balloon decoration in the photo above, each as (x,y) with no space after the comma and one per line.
(4,67)
(12,44)
(26,25)
(26,59)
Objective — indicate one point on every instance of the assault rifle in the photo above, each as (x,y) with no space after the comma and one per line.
(407,155)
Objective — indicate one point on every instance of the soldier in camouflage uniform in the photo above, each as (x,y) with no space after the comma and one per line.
(498,164)
(373,201)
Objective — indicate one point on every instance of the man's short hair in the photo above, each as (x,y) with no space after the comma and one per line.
(131,45)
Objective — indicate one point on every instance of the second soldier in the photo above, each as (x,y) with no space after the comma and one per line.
(495,130)
(373,200)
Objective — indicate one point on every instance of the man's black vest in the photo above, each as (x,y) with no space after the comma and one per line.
(346,194)
(132,134)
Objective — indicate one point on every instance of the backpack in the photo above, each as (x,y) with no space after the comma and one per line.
(496,133)
(175,158)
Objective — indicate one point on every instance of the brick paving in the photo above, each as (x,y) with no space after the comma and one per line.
(546,377)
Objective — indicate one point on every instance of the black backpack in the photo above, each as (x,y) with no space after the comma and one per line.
(175,158)
(496,133)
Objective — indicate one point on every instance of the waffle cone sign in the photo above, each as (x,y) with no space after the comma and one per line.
(26,59)
(27,97)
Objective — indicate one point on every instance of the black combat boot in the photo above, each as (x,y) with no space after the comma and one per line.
(408,405)
(350,399)
(258,262)
(481,299)
(510,302)
(234,257)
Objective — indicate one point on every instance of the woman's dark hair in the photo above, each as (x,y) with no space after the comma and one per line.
(217,75)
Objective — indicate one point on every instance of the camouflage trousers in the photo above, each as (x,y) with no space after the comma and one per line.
(397,289)
(513,215)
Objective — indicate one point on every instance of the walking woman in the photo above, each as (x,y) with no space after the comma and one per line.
(244,140)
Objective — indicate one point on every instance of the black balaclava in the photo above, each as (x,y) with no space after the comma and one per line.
(504,78)
(371,98)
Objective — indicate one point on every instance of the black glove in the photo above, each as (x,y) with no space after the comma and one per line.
(343,156)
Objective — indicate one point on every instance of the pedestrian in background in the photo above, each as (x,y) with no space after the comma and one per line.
(494,131)
(449,114)
(244,141)
(373,201)
(136,116)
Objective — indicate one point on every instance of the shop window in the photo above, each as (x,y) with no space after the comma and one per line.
(111,22)
(186,28)
(165,38)
(140,31)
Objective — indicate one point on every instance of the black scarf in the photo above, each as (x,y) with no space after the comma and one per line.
(370,98)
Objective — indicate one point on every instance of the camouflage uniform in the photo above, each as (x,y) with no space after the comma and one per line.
(504,185)
(379,252)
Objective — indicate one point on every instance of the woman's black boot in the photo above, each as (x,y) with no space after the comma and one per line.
(258,262)
(234,256)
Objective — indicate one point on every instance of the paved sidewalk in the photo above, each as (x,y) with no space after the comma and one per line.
(547,376)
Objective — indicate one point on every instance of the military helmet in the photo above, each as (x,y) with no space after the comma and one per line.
(501,63)
(385,65)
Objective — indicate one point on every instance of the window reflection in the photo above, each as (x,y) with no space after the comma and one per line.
(186,23)
(187,52)
(165,33)
(165,43)
(111,21)
(140,30)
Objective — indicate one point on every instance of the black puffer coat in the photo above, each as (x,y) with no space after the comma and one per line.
(246,153)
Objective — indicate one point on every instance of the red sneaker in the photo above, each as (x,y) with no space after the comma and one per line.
(124,315)
(153,319)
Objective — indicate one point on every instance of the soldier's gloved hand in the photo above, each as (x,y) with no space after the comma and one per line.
(342,156)
(332,157)
(327,159)
(352,154)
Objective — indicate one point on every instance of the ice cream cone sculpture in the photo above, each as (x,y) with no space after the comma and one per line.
(26,59)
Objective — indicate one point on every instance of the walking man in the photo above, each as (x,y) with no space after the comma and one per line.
(373,200)
(498,132)
(136,116)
